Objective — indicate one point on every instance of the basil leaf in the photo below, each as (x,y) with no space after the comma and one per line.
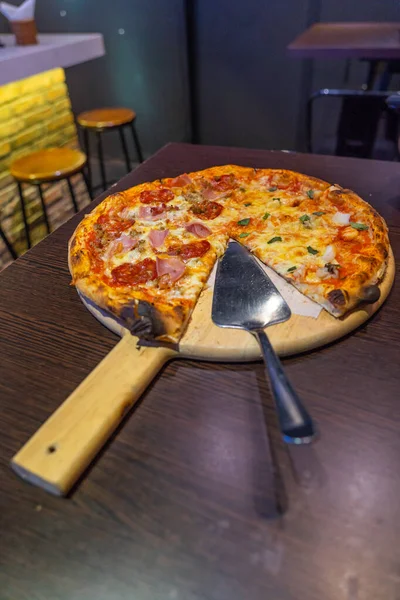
(244,222)
(266,216)
(275,239)
(312,250)
(291,269)
(278,199)
(244,235)
(310,194)
(304,218)
(247,204)
(359,226)
(319,213)
(273,188)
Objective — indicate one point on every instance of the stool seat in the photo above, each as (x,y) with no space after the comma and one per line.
(50,164)
(103,118)
(46,167)
(95,123)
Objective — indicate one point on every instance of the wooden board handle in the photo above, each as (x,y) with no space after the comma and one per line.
(59,452)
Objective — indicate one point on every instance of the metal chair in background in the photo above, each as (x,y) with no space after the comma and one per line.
(393,103)
(359,121)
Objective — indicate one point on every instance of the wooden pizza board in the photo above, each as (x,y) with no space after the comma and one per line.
(55,457)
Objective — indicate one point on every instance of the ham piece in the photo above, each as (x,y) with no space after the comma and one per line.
(180,181)
(198,229)
(150,213)
(123,243)
(211,194)
(173,266)
(157,237)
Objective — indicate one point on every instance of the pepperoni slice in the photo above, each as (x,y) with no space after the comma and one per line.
(223,183)
(131,274)
(193,250)
(95,246)
(160,195)
(206,210)
(113,227)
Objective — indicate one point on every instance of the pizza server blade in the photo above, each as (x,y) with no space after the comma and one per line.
(245,298)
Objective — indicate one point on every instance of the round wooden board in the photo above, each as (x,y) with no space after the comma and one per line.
(204,340)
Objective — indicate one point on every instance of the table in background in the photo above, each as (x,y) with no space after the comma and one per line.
(376,43)
(182,502)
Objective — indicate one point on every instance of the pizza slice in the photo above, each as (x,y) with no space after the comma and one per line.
(331,245)
(145,257)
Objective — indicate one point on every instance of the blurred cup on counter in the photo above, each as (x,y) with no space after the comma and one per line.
(22,21)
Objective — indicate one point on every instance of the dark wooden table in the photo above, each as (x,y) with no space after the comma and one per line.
(183,503)
(375,41)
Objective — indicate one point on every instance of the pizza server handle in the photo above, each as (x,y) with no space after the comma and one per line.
(60,451)
(296,424)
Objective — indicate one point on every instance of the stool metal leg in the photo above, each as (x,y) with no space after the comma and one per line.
(8,244)
(87,152)
(101,159)
(87,184)
(71,191)
(136,141)
(125,149)
(46,219)
(24,217)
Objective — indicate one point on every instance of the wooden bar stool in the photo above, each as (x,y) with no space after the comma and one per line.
(48,166)
(108,119)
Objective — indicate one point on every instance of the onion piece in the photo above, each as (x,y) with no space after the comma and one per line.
(329,254)
(341,218)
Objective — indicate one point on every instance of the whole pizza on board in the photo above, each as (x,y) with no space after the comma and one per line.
(144,254)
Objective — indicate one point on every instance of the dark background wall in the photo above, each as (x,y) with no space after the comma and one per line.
(250,92)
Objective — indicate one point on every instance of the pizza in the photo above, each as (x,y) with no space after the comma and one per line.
(145,254)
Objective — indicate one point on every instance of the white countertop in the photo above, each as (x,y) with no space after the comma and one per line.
(53,50)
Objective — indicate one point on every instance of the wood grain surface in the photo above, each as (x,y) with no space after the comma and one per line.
(374,41)
(185,502)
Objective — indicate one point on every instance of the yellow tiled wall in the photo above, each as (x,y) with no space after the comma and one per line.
(35,113)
